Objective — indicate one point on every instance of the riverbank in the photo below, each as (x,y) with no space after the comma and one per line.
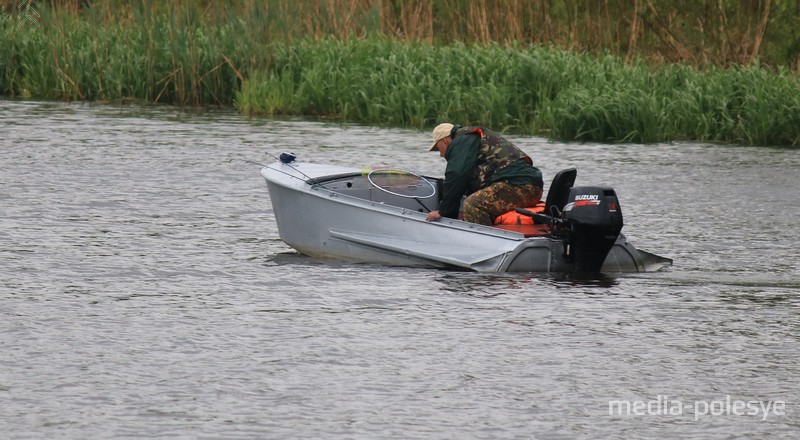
(181,57)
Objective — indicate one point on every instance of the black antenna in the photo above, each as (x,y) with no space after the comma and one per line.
(287,159)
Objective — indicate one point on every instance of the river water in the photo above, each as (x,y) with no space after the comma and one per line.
(145,293)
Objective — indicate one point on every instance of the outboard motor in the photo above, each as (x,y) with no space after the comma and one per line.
(594,218)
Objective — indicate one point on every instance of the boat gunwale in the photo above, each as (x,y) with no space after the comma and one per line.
(320,191)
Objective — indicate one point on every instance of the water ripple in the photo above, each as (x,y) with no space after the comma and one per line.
(145,292)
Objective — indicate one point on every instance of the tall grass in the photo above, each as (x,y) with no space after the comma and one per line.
(247,52)
(698,32)
(153,53)
(535,90)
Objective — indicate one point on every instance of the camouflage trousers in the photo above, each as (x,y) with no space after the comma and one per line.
(486,204)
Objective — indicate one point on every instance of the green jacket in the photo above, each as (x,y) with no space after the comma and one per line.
(477,158)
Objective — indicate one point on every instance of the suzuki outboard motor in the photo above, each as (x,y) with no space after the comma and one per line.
(594,218)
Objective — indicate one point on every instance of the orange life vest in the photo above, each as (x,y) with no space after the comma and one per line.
(514,218)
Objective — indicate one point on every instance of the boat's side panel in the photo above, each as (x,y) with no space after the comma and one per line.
(322,223)
(624,257)
(549,255)
(536,256)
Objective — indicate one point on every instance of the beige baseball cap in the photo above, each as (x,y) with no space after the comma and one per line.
(440,132)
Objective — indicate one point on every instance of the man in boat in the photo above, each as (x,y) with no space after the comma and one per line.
(493,173)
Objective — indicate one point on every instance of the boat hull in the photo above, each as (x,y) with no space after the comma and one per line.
(321,222)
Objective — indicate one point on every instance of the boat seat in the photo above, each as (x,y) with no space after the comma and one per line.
(559,190)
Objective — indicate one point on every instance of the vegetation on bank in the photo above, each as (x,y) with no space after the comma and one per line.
(695,32)
(196,52)
(533,90)
(153,55)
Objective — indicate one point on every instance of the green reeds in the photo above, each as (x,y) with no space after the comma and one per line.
(533,90)
(195,52)
(151,54)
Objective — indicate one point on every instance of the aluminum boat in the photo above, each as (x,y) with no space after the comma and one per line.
(342,213)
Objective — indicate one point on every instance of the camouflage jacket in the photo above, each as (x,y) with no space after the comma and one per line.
(477,158)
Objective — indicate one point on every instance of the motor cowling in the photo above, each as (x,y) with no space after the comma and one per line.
(594,218)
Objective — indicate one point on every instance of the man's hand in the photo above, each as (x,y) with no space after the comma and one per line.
(433,216)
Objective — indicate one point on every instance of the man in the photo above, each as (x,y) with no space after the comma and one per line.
(493,173)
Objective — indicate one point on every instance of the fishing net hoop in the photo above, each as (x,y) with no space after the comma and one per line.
(399,174)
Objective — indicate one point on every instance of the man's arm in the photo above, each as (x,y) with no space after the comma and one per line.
(460,164)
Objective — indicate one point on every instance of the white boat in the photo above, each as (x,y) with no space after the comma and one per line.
(337,212)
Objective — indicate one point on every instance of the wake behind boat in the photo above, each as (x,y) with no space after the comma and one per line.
(378,216)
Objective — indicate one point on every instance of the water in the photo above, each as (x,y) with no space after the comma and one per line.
(145,293)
